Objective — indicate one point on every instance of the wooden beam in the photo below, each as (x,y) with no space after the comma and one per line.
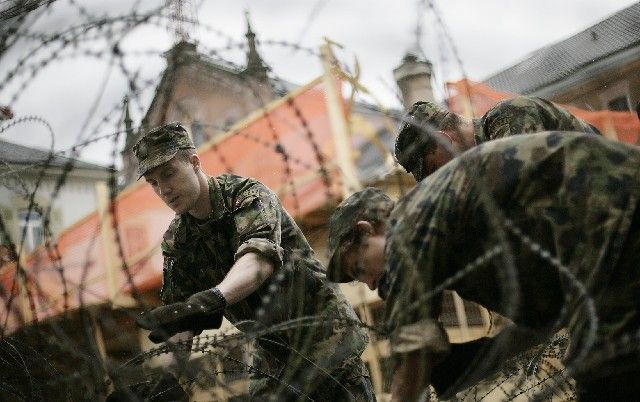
(339,126)
(108,239)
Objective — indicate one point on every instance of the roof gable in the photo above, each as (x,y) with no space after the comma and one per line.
(22,155)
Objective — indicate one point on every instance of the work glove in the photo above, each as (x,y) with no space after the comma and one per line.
(202,310)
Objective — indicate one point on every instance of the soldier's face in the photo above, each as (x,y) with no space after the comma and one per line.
(365,262)
(176,183)
(435,160)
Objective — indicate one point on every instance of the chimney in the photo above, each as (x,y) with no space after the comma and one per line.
(413,77)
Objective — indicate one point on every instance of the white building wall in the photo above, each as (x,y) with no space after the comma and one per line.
(75,200)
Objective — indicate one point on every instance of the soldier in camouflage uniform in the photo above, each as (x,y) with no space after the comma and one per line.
(422,154)
(431,135)
(232,249)
(543,229)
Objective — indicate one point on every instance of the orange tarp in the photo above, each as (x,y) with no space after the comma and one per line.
(468,97)
(285,149)
(284,146)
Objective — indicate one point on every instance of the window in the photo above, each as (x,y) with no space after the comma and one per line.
(619,104)
(34,233)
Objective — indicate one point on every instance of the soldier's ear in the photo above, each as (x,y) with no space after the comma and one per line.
(365,227)
(195,162)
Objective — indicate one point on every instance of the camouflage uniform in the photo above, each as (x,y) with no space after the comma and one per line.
(306,332)
(520,115)
(563,207)
(525,114)
(247,217)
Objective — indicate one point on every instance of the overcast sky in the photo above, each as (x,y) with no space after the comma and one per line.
(77,91)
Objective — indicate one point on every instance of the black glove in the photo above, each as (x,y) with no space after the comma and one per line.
(202,310)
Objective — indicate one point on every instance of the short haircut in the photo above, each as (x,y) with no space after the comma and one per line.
(417,134)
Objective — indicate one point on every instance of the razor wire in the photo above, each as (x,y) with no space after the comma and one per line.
(19,355)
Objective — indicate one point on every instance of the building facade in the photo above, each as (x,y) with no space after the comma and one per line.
(205,95)
(56,204)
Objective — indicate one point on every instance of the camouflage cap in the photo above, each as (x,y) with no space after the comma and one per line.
(412,142)
(160,145)
(370,204)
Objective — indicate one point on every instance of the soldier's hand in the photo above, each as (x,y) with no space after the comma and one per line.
(202,310)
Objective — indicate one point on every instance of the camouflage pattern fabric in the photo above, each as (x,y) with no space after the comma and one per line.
(520,115)
(160,145)
(247,217)
(525,114)
(556,201)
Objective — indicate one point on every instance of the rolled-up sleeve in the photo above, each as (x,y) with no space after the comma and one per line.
(257,215)
(261,246)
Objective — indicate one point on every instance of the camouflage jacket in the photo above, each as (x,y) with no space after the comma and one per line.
(517,225)
(525,114)
(248,217)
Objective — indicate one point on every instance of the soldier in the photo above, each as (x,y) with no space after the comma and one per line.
(232,249)
(543,229)
(432,135)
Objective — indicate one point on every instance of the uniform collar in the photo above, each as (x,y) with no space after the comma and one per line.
(218,207)
(218,210)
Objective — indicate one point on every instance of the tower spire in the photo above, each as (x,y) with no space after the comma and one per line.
(255,65)
(416,48)
(131,135)
(128,122)
(182,14)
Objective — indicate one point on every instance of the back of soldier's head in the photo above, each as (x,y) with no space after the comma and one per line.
(416,134)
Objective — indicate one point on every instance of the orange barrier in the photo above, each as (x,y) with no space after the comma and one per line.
(285,146)
(468,97)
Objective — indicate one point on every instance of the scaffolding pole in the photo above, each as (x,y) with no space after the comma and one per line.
(339,126)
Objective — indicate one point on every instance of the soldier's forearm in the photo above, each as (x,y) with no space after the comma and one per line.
(246,275)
